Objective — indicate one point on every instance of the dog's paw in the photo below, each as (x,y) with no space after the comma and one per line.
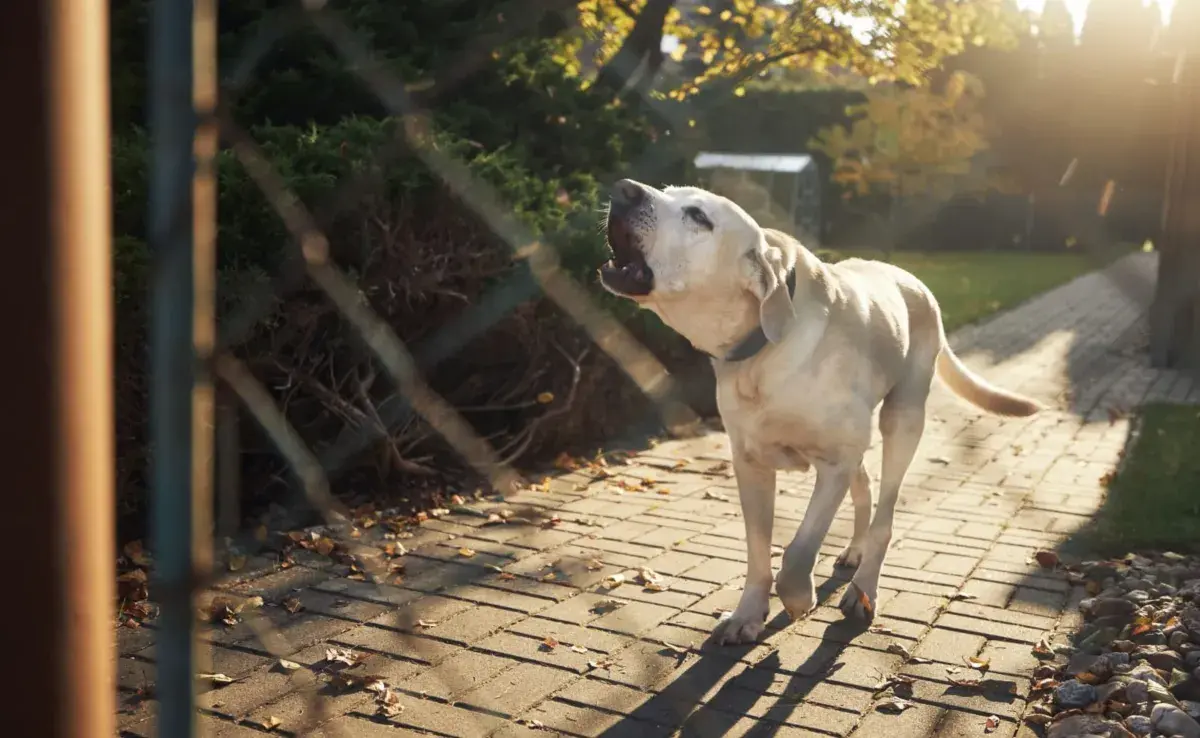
(857,604)
(736,628)
(850,556)
(797,592)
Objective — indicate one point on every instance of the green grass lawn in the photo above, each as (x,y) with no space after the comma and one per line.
(1154,502)
(971,286)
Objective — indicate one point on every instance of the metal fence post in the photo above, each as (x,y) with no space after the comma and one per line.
(57,449)
(182,235)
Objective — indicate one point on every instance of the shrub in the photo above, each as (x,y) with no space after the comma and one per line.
(425,262)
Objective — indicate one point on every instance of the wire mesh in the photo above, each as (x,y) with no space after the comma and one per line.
(370,556)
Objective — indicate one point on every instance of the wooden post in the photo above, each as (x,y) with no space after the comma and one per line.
(1175,313)
(57,448)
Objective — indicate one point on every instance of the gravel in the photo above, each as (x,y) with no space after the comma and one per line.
(1133,669)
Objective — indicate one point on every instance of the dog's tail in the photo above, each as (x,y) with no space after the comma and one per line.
(978,391)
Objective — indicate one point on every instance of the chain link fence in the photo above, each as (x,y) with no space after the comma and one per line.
(184,234)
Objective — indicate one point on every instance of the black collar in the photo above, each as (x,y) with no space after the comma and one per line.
(757,340)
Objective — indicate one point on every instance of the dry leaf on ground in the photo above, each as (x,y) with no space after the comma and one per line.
(900,650)
(1046,559)
(895,705)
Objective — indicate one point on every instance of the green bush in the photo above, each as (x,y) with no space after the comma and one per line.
(422,258)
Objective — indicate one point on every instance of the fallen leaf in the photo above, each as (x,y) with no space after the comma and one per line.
(1046,559)
(506,576)
(289,665)
(881,630)
(466,553)
(964,682)
(135,552)
(579,649)
(133,585)
(607,606)
(991,724)
(341,656)
(387,702)
(1043,649)
(651,580)
(595,565)
(895,705)
(545,398)
(549,577)
(603,663)
(900,650)
(293,605)
(324,546)
(218,679)
(710,495)
(613,580)
(550,643)
(977,663)
(898,683)
(272,722)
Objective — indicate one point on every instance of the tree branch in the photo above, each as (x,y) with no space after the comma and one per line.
(646,35)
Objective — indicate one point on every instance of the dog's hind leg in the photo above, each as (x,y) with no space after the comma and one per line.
(756,490)
(901,422)
(860,493)
(795,581)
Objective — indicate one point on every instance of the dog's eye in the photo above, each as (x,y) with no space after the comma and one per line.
(697,216)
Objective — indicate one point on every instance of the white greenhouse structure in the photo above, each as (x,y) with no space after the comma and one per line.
(781,191)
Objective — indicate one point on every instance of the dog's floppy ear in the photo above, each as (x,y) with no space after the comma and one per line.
(767,280)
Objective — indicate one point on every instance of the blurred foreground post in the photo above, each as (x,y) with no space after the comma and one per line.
(57,451)
(182,231)
(1175,314)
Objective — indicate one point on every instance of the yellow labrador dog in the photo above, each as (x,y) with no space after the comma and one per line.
(803,352)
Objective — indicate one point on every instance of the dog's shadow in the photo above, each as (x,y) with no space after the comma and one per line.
(706,702)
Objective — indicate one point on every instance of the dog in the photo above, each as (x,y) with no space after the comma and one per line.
(804,352)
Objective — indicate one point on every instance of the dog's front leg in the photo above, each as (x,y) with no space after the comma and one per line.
(756,490)
(795,583)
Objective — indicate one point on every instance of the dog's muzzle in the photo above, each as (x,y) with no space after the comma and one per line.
(627,273)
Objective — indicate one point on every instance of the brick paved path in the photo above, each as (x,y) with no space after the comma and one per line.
(466,646)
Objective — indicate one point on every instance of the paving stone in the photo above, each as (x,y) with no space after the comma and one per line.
(457,675)
(918,721)
(994,630)
(1011,487)
(515,646)
(403,645)
(633,619)
(572,635)
(513,691)
(949,646)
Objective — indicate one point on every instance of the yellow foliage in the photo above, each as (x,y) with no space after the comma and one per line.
(878,39)
(908,140)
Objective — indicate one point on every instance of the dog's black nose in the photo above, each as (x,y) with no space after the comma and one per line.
(627,194)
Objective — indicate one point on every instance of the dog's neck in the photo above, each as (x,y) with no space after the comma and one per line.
(713,324)
(716,324)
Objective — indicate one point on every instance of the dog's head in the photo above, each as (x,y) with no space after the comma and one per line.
(685,242)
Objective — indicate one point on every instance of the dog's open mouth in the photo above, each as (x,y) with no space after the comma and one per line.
(627,273)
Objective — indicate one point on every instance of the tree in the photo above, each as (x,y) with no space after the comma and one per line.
(733,41)
(910,142)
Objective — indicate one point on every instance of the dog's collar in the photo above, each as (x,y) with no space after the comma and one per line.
(757,340)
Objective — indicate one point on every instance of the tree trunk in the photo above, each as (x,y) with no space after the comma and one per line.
(1175,313)
(643,42)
